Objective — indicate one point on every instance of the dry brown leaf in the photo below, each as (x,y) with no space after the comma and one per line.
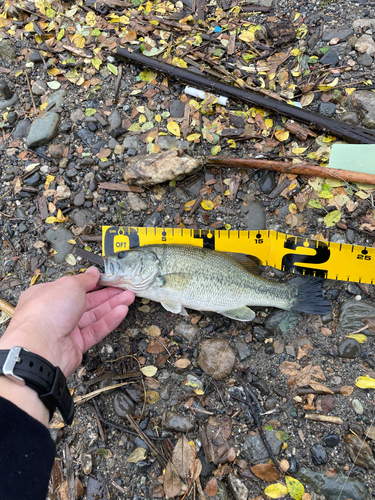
(330,472)
(212,487)
(152,383)
(300,201)
(267,472)
(318,373)
(182,363)
(326,331)
(301,353)
(306,496)
(183,459)
(289,368)
(158,492)
(284,464)
(195,319)
(154,347)
(346,390)
(317,386)
(301,435)
(104,153)
(278,347)
(327,403)
(173,485)
(370,433)
(232,455)
(350,205)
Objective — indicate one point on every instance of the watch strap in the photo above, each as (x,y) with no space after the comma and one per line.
(28,368)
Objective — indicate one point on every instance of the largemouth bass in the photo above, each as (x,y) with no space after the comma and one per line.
(184,276)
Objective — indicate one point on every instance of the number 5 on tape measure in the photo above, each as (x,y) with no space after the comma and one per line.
(294,254)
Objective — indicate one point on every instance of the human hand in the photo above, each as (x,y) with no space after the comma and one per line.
(60,320)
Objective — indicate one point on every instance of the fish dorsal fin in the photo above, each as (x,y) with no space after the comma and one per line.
(249,262)
(174,281)
(240,314)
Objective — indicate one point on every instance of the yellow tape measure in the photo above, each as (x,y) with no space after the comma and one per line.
(294,254)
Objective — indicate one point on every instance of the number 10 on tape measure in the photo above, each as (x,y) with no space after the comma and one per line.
(294,254)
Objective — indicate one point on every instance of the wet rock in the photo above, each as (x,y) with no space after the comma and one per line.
(352,316)
(365,60)
(56,98)
(359,451)
(35,57)
(352,118)
(56,150)
(281,322)
(177,109)
(60,241)
(33,180)
(365,44)
(349,348)
(342,35)
(96,487)
(179,423)
(318,454)
(331,58)
(6,51)
(243,350)
(43,130)
(255,216)
(165,392)
(167,142)
(255,451)
(136,203)
(216,358)
(77,116)
(82,218)
(152,169)
(22,129)
(364,23)
(114,120)
(237,487)
(130,141)
(331,440)
(39,87)
(187,330)
(123,405)
(327,108)
(357,406)
(270,403)
(333,487)
(267,181)
(193,383)
(153,221)
(260,333)
(262,386)
(79,199)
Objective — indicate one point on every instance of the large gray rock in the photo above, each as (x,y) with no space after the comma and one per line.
(6,51)
(60,241)
(364,23)
(216,358)
(353,314)
(255,451)
(365,44)
(365,100)
(342,34)
(333,488)
(43,130)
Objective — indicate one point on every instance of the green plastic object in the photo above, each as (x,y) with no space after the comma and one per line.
(354,157)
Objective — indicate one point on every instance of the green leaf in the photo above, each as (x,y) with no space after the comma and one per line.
(314,203)
(96,32)
(112,68)
(313,60)
(61,34)
(154,51)
(218,52)
(215,150)
(324,50)
(134,127)
(295,488)
(90,111)
(332,218)
(268,428)
(282,436)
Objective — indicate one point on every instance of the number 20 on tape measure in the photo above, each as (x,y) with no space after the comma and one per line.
(285,252)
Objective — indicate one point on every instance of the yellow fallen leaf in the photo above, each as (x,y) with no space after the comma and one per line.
(350,90)
(332,218)
(365,382)
(73,242)
(152,397)
(149,371)
(295,488)
(298,151)
(328,138)
(189,204)
(295,52)
(293,208)
(282,135)
(268,122)
(176,61)
(359,337)
(193,137)
(207,204)
(174,128)
(276,490)
(91,19)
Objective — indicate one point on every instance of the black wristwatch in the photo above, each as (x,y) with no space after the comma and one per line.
(26,368)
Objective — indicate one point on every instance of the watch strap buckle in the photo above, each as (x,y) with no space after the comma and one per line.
(12,359)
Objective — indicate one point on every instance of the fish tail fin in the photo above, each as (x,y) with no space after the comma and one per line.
(310,298)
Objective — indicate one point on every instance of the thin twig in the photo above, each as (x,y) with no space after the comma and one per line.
(31,92)
(118,82)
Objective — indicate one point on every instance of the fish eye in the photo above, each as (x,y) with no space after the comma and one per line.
(121,255)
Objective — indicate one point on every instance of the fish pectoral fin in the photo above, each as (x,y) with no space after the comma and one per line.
(174,307)
(174,281)
(240,314)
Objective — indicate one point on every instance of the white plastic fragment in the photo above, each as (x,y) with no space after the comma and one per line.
(203,95)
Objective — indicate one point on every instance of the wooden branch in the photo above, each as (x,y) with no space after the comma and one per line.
(324,418)
(6,307)
(292,168)
(349,132)
(116,186)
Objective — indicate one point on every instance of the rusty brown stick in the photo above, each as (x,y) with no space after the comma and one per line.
(292,168)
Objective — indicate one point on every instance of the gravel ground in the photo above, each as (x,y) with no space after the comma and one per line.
(262,355)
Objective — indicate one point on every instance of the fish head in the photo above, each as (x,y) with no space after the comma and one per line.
(133,270)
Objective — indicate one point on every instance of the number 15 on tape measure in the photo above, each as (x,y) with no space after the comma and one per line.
(294,254)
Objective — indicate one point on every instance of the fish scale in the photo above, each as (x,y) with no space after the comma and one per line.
(184,276)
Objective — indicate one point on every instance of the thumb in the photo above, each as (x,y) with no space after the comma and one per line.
(89,279)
